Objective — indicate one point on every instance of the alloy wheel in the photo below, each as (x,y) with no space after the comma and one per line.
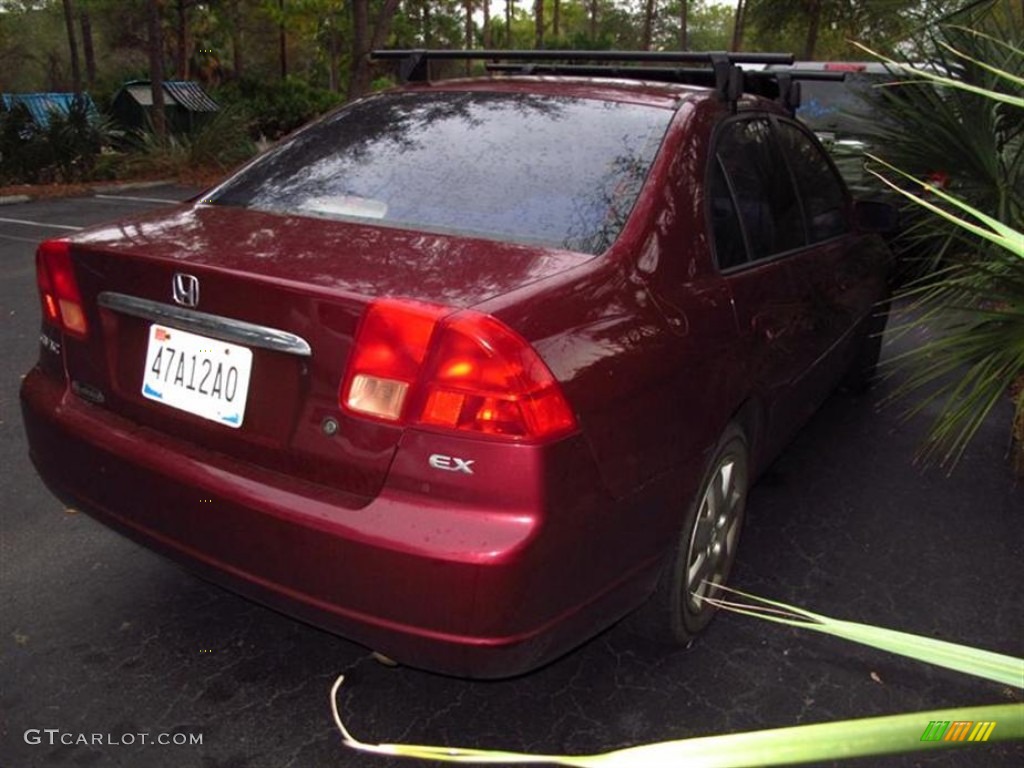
(716,531)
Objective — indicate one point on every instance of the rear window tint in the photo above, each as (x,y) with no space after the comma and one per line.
(529,168)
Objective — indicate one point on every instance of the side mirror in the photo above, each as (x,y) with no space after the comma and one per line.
(874,216)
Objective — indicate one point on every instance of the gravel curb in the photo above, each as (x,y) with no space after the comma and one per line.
(93,190)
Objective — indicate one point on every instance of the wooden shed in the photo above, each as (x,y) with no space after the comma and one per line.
(186,105)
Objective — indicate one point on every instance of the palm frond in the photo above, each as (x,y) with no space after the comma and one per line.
(889,734)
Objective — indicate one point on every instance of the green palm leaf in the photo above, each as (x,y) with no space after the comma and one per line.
(889,734)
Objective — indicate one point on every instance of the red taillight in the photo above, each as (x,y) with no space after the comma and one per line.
(844,66)
(482,377)
(58,290)
(388,354)
(464,371)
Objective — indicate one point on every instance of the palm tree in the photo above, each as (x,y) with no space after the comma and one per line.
(971,297)
(69,21)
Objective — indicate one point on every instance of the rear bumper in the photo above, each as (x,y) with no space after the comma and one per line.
(454,588)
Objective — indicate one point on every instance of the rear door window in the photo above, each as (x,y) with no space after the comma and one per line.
(762,190)
(558,171)
(821,191)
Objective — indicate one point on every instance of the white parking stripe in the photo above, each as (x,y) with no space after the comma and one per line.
(39,224)
(135,199)
(21,239)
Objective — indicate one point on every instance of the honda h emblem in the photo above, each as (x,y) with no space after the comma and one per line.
(185,289)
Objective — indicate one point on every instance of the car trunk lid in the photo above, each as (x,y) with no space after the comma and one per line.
(298,286)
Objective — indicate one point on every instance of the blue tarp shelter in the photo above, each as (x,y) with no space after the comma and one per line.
(40,105)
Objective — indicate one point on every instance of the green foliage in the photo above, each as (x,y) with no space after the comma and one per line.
(278,107)
(220,144)
(66,149)
(889,734)
(22,153)
(971,311)
(784,25)
(974,145)
(987,665)
(76,140)
(973,315)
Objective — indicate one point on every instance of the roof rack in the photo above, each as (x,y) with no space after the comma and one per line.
(722,74)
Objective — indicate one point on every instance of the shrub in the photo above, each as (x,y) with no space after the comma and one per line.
(219,145)
(23,154)
(977,301)
(66,149)
(966,142)
(279,107)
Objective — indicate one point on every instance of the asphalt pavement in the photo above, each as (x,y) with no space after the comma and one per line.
(102,637)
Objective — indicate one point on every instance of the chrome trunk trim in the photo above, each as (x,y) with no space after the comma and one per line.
(223,328)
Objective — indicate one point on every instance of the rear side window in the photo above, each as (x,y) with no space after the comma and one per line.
(762,189)
(529,168)
(820,188)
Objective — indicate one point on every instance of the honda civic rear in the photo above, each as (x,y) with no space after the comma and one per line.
(307,386)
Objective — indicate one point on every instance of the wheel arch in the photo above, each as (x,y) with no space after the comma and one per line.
(751,418)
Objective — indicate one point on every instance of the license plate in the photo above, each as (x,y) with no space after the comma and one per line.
(203,376)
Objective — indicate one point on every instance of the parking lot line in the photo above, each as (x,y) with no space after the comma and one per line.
(39,224)
(20,239)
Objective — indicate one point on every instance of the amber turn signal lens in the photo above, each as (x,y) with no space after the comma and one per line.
(58,289)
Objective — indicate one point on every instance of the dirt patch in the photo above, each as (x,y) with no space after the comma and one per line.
(47,191)
(197,177)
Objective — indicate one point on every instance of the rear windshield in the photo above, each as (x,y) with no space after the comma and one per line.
(839,106)
(528,168)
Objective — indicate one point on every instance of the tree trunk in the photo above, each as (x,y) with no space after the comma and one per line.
(156,70)
(360,44)
(87,49)
(737,29)
(682,25)
(69,21)
(510,7)
(593,21)
(333,55)
(814,22)
(236,38)
(283,41)
(538,14)
(556,18)
(425,25)
(382,24)
(468,34)
(363,43)
(182,7)
(487,23)
(648,25)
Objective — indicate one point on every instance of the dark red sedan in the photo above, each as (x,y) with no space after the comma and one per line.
(468,370)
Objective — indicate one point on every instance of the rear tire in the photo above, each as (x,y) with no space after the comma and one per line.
(706,549)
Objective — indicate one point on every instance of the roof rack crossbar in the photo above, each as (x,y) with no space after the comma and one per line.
(414,61)
(693,75)
(729,80)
